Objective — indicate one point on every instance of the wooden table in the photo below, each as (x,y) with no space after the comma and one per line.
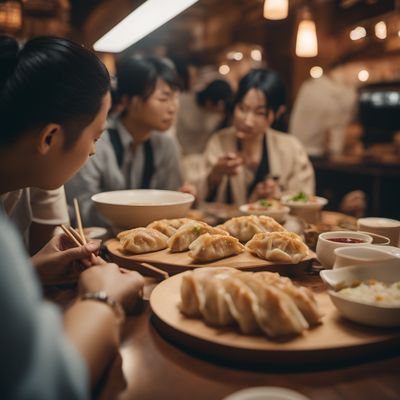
(156,369)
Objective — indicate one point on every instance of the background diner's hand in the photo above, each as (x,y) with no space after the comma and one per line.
(60,260)
(188,188)
(123,286)
(229,164)
(268,189)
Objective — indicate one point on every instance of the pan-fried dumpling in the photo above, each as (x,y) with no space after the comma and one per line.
(188,233)
(241,300)
(143,240)
(278,246)
(214,247)
(242,228)
(276,313)
(168,226)
(215,309)
(193,288)
(270,225)
(245,227)
(302,296)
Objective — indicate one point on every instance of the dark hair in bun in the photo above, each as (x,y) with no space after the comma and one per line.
(48,80)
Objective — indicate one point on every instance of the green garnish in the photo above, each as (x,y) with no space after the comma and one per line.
(264,203)
(196,229)
(301,196)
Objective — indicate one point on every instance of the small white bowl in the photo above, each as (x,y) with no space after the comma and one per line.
(345,256)
(278,214)
(317,204)
(266,393)
(325,245)
(360,311)
(135,208)
(308,211)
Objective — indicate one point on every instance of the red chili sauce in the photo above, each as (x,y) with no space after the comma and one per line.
(346,240)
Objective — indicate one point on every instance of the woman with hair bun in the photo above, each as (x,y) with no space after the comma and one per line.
(250,160)
(54,99)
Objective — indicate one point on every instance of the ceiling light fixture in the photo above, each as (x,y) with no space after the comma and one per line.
(358,33)
(276,9)
(224,69)
(306,41)
(10,15)
(381,30)
(316,72)
(145,19)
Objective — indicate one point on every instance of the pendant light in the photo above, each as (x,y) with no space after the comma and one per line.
(306,42)
(10,16)
(276,9)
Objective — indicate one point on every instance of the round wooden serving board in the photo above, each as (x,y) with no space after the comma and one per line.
(175,263)
(335,340)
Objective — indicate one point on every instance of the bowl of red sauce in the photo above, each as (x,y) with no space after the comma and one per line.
(329,241)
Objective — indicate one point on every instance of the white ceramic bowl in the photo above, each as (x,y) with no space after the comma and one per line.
(134,208)
(360,311)
(308,211)
(317,204)
(345,256)
(278,214)
(266,393)
(325,245)
(381,226)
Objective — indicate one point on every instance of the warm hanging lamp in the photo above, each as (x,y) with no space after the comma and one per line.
(276,9)
(10,16)
(306,42)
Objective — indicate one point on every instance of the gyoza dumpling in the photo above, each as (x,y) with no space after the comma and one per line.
(168,226)
(241,300)
(193,288)
(215,309)
(278,246)
(270,225)
(143,240)
(188,233)
(214,247)
(242,228)
(275,312)
(302,296)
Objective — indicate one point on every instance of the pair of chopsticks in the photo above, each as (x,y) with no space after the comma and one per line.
(77,236)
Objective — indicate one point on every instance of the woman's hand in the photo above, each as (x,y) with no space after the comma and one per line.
(58,261)
(268,189)
(229,165)
(123,286)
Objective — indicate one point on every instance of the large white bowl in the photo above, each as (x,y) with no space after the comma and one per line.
(134,208)
(360,311)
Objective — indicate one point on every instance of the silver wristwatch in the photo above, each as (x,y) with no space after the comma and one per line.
(103,297)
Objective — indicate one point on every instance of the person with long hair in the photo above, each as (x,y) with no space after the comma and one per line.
(249,160)
(54,99)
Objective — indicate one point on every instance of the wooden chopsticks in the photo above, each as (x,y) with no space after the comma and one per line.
(73,235)
(79,220)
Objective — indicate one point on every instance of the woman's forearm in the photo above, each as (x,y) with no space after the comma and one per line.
(92,325)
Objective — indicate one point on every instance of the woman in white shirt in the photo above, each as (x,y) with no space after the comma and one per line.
(250,160)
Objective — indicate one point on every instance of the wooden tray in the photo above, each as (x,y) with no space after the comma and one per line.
(175,263)
(333,341)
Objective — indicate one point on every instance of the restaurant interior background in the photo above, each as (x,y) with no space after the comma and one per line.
(228,37)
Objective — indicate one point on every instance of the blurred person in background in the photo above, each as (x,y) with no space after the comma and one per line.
(250,160)
(36,213)
(135,152)
(323,109)
(200,114)
(47,355)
